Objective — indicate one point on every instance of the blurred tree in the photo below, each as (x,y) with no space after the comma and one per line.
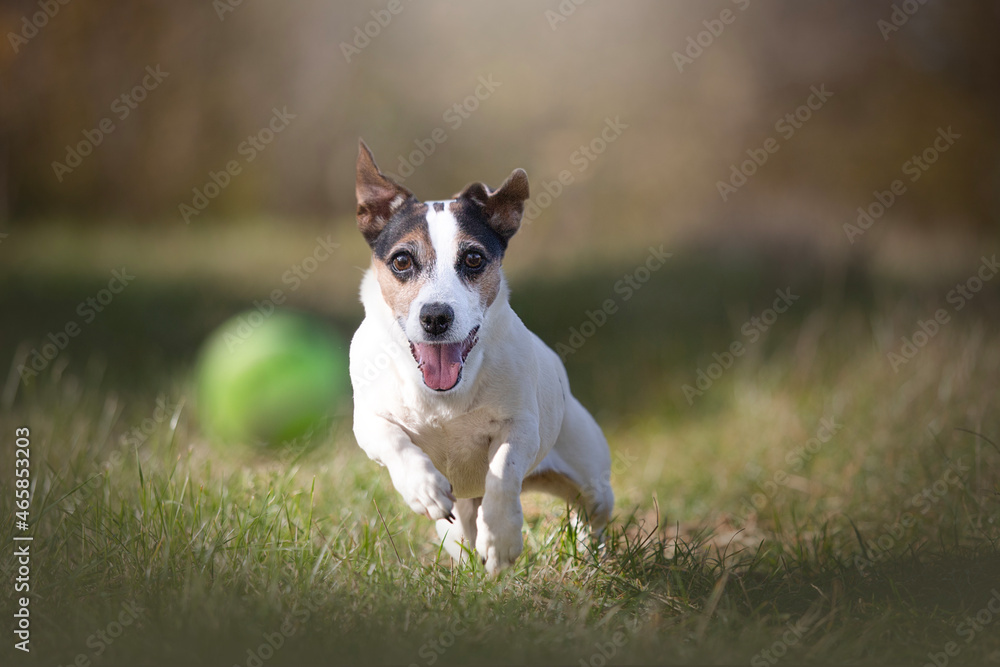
(231,63)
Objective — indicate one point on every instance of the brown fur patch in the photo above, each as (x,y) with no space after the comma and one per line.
(399,294)
(379,197)
(490,281)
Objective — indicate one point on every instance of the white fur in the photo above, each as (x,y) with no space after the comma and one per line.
(510,415)
(445,286)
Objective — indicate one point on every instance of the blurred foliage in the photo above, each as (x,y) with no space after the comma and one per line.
(229,69)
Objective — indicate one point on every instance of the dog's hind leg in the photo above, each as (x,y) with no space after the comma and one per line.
(460,534)
(578,468)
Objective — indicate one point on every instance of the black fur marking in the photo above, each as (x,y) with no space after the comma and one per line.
(410,217)
(472,223)
(439,206)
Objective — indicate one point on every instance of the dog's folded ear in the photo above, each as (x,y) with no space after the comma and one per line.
(503,207)
(378,195)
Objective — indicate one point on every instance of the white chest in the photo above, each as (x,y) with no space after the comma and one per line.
(458,445)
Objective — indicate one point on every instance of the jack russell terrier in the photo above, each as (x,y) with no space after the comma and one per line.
(452,393)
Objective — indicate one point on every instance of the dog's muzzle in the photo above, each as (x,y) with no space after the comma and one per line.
(441,363)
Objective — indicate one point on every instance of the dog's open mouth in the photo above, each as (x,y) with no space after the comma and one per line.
(441,363)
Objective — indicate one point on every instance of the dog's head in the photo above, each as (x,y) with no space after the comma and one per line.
(438,263)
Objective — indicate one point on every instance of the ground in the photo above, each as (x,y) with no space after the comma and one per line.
(813,500)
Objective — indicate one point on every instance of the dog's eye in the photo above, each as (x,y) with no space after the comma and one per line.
(402,263)
(473,260)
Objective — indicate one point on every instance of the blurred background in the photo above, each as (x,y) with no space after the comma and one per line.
(558,78)
(206,147)
(119,122)
(165,166)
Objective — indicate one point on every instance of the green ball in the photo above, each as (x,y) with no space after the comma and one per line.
(271,379)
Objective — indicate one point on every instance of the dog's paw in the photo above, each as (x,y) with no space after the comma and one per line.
(427,492)
(499,541)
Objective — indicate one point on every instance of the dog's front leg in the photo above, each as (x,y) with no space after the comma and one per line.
(499,540)
(422,486)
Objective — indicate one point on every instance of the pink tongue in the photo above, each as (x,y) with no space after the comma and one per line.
(440,364)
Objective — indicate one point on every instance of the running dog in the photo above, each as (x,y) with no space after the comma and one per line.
(453,394)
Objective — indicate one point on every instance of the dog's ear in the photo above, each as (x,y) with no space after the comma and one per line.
(504,206)
(378,195)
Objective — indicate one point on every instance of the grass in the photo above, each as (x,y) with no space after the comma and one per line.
(871,547)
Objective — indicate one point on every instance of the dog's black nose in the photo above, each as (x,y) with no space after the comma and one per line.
(436,318)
